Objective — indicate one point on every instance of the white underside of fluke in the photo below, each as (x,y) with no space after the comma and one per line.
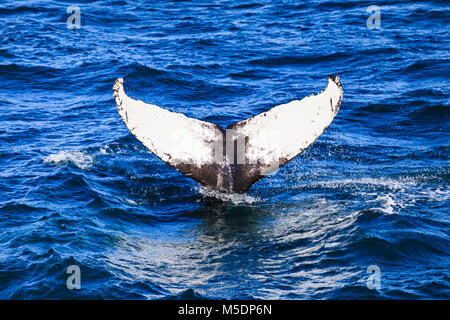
(172,136)
(270,139)
(286,130)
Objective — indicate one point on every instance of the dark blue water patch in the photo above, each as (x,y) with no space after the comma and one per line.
(17,10)
(188,294)
(296,61)
(425,68)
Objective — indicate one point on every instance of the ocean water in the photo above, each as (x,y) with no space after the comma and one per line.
(76,187)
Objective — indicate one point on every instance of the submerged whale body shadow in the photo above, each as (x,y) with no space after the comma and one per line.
(230,160)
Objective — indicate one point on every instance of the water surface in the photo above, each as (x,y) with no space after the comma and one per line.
(78,189)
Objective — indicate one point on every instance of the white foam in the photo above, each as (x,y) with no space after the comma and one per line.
(234,198)
(389,183)
(389,195)
(131,201)
(77,158)
(437,195)
(105,150)
(387,203)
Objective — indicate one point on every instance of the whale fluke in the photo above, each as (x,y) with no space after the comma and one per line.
(230,160)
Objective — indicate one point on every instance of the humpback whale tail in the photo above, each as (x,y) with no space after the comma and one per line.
(230,160)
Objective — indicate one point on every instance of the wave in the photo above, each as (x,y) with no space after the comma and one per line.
(79,159)
(233,198)
(188,294)
(26,9)
(248,6)
(299,60)
(387,195)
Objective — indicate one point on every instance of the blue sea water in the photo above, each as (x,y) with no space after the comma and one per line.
(78,189)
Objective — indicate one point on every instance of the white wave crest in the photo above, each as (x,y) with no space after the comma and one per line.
(389,183)
(387,194)
(387,204)
(79,159)
(234,198)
